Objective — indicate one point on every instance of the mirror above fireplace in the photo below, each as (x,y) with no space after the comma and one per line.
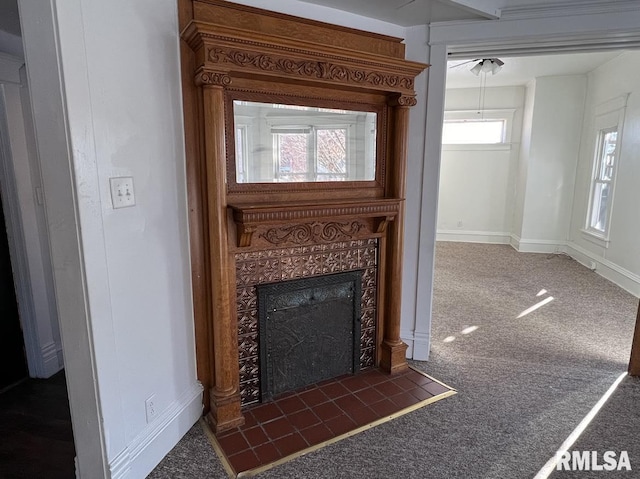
(281,143)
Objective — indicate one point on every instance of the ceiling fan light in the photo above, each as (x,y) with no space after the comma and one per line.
(477,69)
(495,68)
(487,66)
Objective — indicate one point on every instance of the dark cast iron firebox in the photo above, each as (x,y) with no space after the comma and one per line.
(309,331)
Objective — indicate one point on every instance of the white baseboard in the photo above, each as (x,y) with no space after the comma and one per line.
(607,269)
(514,241)
(147,449)
(50,362)
(407,338)
(419,344)
(462,236)
(60,353)
(537,246)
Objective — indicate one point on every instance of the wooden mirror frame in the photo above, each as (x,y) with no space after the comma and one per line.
(227,48)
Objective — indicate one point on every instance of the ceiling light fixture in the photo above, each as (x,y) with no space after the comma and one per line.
(487,65)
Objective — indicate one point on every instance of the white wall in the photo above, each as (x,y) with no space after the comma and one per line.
(121,101)
(328,15)
(476,181)
(413,333)
(620,261)
(11,44)
(553,140)
(523,157)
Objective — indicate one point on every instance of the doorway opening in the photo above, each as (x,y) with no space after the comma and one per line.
(35,420)
(518,168)
(13,366)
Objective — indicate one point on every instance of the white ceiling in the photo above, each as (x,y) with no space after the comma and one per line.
(520,70)
(421,12)
(402,12)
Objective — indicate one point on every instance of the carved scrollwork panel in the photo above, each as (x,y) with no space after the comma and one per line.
(316,232)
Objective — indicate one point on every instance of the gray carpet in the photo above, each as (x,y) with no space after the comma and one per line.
(523,384)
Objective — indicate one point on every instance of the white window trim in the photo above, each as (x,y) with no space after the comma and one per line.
(607,115)
(505,114)
(246,145)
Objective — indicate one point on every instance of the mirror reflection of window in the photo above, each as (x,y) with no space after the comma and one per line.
(290,143)
(241,153)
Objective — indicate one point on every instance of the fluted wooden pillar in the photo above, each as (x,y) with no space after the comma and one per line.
(634,361)
(393,349)
(224,395)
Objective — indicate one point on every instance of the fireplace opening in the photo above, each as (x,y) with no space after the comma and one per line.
(309,331)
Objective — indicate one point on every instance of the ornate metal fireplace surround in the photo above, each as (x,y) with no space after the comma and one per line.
(245,234)
(284,264)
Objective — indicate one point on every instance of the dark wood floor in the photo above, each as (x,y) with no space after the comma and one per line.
(36,440)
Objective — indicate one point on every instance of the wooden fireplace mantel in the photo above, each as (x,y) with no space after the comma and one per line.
(233,52)
(249,217)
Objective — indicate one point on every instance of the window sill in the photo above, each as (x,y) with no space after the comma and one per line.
(595,238)
(477,147)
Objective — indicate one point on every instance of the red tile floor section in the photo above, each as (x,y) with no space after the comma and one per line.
(322,412)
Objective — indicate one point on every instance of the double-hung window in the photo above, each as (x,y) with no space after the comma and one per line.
(609,118)
(314,153)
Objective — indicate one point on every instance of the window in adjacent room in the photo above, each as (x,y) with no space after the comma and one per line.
(608,131)
(602,184)
(479,132)
(491,128)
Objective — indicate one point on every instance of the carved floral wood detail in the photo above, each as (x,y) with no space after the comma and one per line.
(268,266)
(406,100)
(323,70)
(212,78)
(312,232)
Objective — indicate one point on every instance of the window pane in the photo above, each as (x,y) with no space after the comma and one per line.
(599,207)
(473,132)
(608,155)
(332,151)
(292,160)
(241,142)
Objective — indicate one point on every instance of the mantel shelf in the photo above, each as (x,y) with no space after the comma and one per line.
(249,216)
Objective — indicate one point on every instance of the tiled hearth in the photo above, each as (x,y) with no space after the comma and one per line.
(301,421)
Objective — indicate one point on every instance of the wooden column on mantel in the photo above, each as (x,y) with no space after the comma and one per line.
(234,52)
(393,349)
(224,395)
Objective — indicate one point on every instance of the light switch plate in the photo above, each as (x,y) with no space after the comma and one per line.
(122,194)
